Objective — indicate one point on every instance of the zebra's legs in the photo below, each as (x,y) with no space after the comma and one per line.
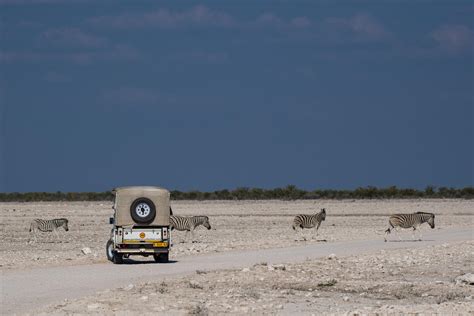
(317,229)
(296,234)
(192,235)
(299,232)
(32,234)
(421,235)
(397,232)
(306,234)
(56,233)
(388,231)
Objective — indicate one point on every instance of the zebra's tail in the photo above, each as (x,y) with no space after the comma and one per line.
(386,233)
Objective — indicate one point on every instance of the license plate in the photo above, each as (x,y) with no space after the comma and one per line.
(160,244)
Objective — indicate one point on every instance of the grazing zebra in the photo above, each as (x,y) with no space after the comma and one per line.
(309,221)
(51,225)
(188,223)
(409,221)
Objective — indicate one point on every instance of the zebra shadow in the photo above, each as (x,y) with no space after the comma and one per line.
(189,242)
(316,240)
(47,242)
(410,240)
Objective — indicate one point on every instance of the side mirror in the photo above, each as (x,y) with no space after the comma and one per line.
(111,220)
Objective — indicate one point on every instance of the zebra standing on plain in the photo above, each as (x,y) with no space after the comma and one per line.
(188,223)
(51,225)
(309,221)
(409,221)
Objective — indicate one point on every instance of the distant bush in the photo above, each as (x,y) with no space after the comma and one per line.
(289,192)
(56,196)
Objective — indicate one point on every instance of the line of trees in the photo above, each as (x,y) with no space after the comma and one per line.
(289,192)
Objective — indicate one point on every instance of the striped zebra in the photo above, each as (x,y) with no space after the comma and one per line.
(414,220)
(309,221)
(51,225)
(188,223)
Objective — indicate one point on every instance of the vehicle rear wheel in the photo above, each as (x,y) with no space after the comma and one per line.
(161,257)
(112,255)
(118,258)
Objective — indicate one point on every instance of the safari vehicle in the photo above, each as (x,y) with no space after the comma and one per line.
(140,224)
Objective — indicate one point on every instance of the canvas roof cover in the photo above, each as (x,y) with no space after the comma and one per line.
(125,196)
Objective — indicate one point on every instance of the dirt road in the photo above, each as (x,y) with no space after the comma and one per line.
(24,290)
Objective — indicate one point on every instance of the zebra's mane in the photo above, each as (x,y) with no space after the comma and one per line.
(54,219)
(425,213)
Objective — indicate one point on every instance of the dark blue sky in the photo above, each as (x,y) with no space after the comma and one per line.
(221,94)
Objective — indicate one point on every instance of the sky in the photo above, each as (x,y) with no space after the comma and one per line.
(223,94)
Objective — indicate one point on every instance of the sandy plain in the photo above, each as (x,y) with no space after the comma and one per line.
(235,225)
(398,282)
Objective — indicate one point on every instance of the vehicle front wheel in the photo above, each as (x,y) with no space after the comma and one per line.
(161,257)
(112,255)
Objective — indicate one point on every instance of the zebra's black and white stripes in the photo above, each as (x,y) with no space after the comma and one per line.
(410,221)
(188,223)
(51,225)
(309,221)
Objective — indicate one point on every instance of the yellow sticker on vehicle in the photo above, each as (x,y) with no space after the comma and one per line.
(160,244)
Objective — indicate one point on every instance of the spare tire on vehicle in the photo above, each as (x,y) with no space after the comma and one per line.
(143,211)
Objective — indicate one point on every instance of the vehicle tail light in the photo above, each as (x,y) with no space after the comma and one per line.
(165,233)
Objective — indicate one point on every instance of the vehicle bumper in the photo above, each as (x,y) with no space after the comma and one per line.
(142,248)
(142,251)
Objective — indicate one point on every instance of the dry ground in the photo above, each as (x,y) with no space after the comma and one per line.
(399,281)
(235,225)
(414,281)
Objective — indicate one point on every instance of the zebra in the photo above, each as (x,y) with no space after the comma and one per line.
(188,223)
(409,221)
(51,225)
(309,221)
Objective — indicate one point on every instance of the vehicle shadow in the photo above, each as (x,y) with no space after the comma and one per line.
(133,261)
